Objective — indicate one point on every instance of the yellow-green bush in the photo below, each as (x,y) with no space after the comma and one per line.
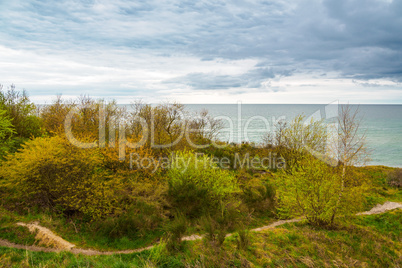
(51,172)
(197,185)
(317,191)
(258,193)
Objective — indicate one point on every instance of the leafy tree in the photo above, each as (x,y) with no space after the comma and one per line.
(311,187)
(163,125)
(22,113)
(6,131)
(350,148)
(298,137)
(204,129)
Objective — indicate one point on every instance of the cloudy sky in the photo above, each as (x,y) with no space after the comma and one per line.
(204,51)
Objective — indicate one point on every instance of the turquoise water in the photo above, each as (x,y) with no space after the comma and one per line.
(382,124)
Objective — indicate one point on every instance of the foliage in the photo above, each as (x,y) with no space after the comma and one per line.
(295,138)
(243,239)
(204,127)
(395,178)
(174,232)
(53,115)
(197,185)
(22,113)
(6,132)
(6,128)
(301,135)
(216,224)
(311,188)
(142,198)
(50,172)
(162,125)
(366,241)
(18,121)
(258,192)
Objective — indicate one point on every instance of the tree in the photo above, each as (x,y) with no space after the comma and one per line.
(350,148)
(21,111)
(276,138)
(202,128)
(6,131)
(310,186)
(316,190)
(298,137)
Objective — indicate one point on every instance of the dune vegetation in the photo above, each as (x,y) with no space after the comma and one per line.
(108,178)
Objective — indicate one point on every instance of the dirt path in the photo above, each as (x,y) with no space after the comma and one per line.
(70,247)
(381,208)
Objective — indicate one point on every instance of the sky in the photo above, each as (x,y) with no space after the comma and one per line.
(204,51)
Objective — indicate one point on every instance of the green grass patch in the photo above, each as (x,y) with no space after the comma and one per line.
(22,258)
(365,241)
(388,224)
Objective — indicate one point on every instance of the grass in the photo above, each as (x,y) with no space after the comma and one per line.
(22,258)
(364,241)
(82,234)
(86,235)
(387,224)
(13,233)
(379,191)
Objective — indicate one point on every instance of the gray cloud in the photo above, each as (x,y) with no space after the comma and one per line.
(358,39)
(210,81)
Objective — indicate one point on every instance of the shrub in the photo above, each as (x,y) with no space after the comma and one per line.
(174,231)
(137,219)
(258,193)
(312,188)
(51,172)
(197,185)
(395,178)
(226,218)
(243,239)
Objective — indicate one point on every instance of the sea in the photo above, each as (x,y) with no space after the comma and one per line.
(380,124)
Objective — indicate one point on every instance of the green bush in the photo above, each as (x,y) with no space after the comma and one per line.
(228,217)
(313,189)
(395,178)
(243,239)
(174,231)
(52,173)
(258,193)
(138,219)
(197,185)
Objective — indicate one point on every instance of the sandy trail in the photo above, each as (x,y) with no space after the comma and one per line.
(66,246)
